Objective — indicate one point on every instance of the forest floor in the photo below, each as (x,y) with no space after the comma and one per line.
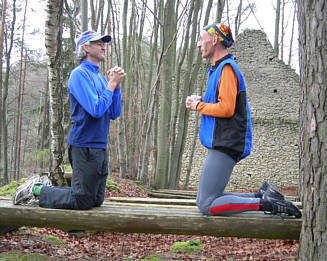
(29,244)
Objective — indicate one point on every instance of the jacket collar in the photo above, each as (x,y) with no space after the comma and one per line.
(90,66)
(214,67)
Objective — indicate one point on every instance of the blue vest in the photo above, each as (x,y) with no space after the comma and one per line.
(229,135)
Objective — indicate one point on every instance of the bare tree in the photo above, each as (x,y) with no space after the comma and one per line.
(84,15)
(220,9)
(44,118)
(276,41)
(20,102)
(53,42)
(312,18)
(283,27)
(96,12)
(3,172)
(292,33)
(167,35)
(238,18)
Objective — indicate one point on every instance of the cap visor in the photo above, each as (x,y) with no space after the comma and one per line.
(104,38)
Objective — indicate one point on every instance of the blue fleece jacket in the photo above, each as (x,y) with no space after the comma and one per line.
(92,106)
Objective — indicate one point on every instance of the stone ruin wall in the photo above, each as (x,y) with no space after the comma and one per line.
(273,95)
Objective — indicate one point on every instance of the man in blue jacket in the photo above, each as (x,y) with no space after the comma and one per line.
(94,101)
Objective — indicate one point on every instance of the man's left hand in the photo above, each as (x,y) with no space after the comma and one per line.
(192,101)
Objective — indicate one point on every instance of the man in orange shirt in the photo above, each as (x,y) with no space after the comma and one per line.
(225,131)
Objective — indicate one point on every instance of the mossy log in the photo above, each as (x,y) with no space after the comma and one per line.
(152,218)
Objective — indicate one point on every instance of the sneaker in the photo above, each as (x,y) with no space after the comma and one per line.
(24,193)
(280,207)
(45,181)
(270,190)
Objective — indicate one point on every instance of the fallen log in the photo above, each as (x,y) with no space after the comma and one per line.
(183,194)
(157,201)
(164,201)
(152,218)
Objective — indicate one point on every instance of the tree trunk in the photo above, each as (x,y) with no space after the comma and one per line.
(220,9)
(20,102)
(276,44)
(312,17)
(283,31)
(53,39)
(84,15)
(4,176)
(238,18)
(292,34)
(149,104)
(187,89)
(189,164)
(122,146)
(189,80)
(177,100)
(44,118)
(227,13)
(167,37)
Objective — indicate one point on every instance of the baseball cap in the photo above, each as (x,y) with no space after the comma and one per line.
(91,36)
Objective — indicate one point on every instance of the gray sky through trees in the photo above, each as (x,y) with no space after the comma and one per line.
(264,18)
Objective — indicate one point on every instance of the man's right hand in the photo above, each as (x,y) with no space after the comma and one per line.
(115,76)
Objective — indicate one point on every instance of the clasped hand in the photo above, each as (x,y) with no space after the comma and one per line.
(115,76)
(192,101)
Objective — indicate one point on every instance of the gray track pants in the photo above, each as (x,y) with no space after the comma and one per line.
(211,199)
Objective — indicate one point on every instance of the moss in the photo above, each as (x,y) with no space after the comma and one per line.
(111,185)
(139,185)
(54,240)
(188,247)
(8,189)
(153,257)
(22,256)
(67,168)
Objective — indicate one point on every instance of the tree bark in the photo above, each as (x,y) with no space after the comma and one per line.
(122,146)
(53,41)
(283,31)
(44,119)
(177,102)
(84,15)
(189,80)
(238,18)
(20,103)
(150,94)
(220,9)
(276,41)
(312,18)
(292,34)
(166,36)
(3,179)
